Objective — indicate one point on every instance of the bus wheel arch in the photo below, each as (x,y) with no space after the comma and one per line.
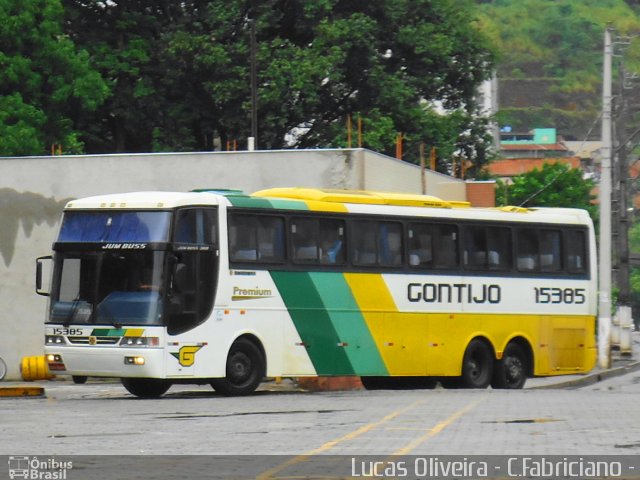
(477,364)
(245,368)
(515,366)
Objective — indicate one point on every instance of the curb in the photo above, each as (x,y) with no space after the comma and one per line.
(592,378)
(21,391)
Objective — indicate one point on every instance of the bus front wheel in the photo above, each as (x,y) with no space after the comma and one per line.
(477,365)
(244,372)
(511,371)
(146,387)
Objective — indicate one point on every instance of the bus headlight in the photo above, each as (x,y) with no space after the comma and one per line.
(53,340)
(54,362)
(139,342)
(134,360)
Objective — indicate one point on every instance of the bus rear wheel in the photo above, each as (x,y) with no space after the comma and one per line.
(146,387)
(477,365)
(244,372)
(511,371)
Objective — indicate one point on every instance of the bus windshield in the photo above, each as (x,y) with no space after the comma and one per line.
(115,226)
(108,287)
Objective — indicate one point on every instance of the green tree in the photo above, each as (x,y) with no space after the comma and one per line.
(46,84)
(555,185)
(179,72)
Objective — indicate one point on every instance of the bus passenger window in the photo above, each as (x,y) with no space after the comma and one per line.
(256,238)
(242,239)
(475,247)
(390,243)
(433,245)
(304,234)
(377,243)
(364,243)
(331,241)
(270,236)
(527,250)
(445,246)
(576,251)
(420,246)
(550,250)
(498,248)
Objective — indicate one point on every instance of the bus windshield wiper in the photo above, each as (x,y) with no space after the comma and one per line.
(72,312)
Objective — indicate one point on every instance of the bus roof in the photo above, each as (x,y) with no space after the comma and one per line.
(331,200)
(144,200)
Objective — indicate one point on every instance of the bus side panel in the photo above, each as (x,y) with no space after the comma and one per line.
(567,345)
(397,336)
(250,303)
(329,323)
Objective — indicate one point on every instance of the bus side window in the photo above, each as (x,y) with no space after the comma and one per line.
(420,240)
(270,236)
(304,237)
(445,247)
(364,243)
(550,250)
(527,250)
(475,247)
(256,238)
(433,245)
(390,243)
(196,226)
(242,239)
(498,248)
(318,240)
(576,251)
(186,226)
(332,241)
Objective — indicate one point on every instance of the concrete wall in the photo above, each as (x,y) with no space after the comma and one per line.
(34,190)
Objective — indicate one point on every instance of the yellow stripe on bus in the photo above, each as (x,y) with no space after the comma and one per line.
(413,343)
(319,206)
(398,343)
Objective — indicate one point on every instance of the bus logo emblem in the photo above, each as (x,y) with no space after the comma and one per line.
(187,355)
(93,340)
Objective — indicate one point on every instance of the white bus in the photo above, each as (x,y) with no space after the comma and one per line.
(224,288)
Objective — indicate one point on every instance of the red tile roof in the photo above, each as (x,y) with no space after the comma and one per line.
(516,166)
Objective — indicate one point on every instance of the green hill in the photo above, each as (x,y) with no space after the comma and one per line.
(550,59)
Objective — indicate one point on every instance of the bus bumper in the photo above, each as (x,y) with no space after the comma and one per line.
(106,362)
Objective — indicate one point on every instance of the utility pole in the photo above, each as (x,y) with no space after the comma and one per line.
(604,298)
(623,319)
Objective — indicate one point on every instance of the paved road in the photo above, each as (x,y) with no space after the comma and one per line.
(101,418)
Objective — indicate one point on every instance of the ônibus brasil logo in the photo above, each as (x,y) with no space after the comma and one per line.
(38,469)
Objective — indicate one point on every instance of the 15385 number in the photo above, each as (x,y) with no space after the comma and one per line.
(574,296)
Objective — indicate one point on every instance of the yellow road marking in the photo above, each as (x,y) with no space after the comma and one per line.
(332,443)
(437,428)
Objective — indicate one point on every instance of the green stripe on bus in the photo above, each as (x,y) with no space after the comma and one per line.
(349,323)
(288,204)
(313,323)
(107,332)
(249,202)
(254,202)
